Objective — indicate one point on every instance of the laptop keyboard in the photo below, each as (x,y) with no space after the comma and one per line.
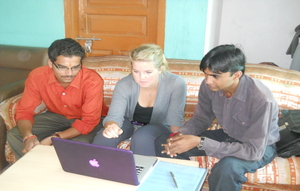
(139,169)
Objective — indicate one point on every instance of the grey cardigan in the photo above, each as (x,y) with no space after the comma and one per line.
(168,107)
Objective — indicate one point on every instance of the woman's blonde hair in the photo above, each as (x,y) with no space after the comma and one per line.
(150,53)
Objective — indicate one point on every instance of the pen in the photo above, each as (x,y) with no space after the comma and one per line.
(173,177)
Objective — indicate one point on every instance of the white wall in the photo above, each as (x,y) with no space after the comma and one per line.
(213,24)
(263,28)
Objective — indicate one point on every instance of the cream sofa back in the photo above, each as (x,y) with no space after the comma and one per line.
(284,83)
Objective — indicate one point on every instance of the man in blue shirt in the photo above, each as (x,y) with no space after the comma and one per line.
(243,106)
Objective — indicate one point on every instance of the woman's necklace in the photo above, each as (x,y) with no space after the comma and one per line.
(152,93)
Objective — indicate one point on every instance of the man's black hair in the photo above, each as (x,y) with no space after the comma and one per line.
(224,58)
(66,47)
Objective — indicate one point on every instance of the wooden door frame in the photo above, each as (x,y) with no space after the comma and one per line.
(72,26)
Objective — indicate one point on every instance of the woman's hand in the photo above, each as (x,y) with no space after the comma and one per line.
(112,130)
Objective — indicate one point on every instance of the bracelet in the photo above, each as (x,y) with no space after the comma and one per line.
(28,137)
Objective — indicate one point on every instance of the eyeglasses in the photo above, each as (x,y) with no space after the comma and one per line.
(64,68)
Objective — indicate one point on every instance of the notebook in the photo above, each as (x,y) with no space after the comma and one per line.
(187,178)
(103,162)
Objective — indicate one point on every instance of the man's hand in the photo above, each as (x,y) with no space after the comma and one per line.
(29,144)
(47,140)
(112,131)
(180,143)
(167,146)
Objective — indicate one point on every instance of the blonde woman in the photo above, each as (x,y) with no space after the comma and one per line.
(145,104)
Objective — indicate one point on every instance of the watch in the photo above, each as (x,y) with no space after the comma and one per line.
(57,135)
(202,139)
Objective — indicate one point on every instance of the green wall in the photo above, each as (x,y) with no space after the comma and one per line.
(31,22)
(40,22)
(185,29)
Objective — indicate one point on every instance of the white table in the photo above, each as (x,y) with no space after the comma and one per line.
(40,170)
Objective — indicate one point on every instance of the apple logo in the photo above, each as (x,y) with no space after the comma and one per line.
(94,163)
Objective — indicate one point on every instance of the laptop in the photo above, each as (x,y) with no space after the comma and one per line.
(103,162)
